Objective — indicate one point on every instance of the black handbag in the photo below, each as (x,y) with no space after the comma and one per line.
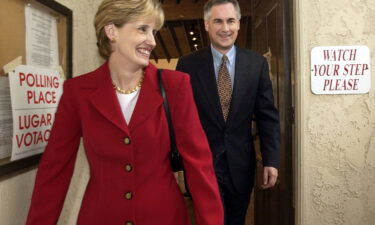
(175,157)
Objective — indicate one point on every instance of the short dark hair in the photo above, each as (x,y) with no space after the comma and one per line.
(209,4)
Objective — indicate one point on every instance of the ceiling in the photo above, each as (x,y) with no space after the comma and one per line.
(183,31)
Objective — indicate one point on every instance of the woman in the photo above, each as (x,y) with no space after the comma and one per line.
(117,110)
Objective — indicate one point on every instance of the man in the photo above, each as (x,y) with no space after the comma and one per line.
(231,86)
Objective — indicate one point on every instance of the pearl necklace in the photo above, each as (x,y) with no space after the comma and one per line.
(136,88)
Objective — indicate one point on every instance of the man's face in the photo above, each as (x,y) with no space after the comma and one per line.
(222,27)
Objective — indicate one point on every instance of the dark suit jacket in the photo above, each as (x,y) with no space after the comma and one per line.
(252,95)
(89,108)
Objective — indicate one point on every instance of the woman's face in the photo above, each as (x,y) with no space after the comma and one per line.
(134,41)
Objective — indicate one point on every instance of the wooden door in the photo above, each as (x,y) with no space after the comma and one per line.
(271,37)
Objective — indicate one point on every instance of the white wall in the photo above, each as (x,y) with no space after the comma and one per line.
(336,132)
(15,195)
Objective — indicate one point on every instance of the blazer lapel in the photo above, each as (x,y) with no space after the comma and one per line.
(207,80)
(104,99)
(241,82)
(149,98)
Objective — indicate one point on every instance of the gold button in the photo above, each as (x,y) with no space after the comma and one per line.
(129,223)
(127,140)
(128,167)
(128,195)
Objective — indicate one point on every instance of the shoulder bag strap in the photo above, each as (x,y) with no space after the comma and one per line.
(176,159)
(174,150)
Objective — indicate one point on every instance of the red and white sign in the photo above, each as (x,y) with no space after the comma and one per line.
(340,70)
(35,94)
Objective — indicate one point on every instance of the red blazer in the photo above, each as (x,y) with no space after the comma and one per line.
(130,174)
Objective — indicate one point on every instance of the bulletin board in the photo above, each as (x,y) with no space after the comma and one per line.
(12,35)
(13,45)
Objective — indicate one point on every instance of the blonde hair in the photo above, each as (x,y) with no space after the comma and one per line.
(119,12)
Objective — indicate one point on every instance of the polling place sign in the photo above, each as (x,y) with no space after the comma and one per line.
(35,94)
(340,70)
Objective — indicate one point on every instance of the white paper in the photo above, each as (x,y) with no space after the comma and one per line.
(6,129)
(35,94)
(41,37)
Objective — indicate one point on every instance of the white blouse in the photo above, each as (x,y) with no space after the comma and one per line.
(127,104)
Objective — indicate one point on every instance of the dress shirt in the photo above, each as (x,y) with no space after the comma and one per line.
(231,54)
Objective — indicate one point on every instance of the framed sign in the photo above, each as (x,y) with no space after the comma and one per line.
(39,33)
(340,70)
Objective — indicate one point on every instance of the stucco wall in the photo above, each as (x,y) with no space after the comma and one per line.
(15,194)
(15,191)
(336,132)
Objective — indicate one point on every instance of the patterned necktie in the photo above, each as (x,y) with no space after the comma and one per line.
(224,87)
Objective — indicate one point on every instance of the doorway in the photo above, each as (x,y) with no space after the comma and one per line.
(271,37)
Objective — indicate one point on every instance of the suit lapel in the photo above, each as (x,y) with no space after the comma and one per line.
(149,98)
(241,82)
(104,98)
(207,80)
